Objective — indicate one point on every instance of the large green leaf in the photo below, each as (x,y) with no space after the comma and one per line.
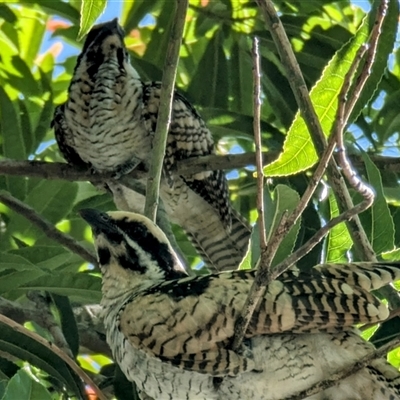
(90,11)
(46,257)
(13,142)
(283,200)
(134,12)
(209,84)
(51,199)
(16,262)
(23,386)
(299,153)
(79,287)
(339,241)
(377,220)
(26,348)
(68,322)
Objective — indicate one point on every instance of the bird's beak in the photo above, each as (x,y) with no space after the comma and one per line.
(98,220)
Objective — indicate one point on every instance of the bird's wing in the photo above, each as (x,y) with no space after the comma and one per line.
(64,138)
(188,331)
(190,323)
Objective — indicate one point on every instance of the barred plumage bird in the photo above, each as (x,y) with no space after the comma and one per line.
(108,123)
(171,334)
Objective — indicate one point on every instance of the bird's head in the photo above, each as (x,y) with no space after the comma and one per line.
(132,251)
(105,43)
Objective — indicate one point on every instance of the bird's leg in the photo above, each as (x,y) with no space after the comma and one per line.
(126,167)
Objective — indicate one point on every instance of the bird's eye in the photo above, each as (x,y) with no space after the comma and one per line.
(104,217)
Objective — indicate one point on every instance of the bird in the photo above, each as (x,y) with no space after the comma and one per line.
(171,333)
(108,124)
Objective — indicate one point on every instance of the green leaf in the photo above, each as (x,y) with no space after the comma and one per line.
(157,46)
(386,42)
(68,322)
(53,200)
(22,386)
(239,78)
(381,227)
(7,14)
(81,287)
(133,12)
(16,262)
(298,152)
(46,257)
(209,84)
(90,11)
(339,240)
(13,142)
(283,200)
(12,280)
(57,7)
(28,349)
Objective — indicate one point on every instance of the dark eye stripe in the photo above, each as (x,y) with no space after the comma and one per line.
(157,250)
(104,255)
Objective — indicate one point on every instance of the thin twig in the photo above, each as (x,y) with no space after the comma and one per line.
(346,372)
(314,240)
(46,227)
(293,73)
(257,141)
(360,240)
(52,347)
(164,112)
(370,58)
(346,106)
(264,275)
(257,291)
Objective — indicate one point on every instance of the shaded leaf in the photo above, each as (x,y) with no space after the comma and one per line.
(79,287)
(22,386)
(339,241)
(26,348)
(380,227)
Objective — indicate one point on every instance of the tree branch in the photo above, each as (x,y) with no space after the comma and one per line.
(164,111)
(193,165)
(46,227)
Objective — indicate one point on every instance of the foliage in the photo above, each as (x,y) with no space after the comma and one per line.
(215,73)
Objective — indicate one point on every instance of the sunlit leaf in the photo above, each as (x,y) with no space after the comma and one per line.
(90,11)
(299,153)
(339,241)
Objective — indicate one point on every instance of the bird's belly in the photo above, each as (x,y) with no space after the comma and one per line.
(112,144)
(287,364)
(159,380)
(107,127)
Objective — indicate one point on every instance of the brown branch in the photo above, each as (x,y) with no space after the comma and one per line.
(346,372)
(257,141)
(164,112)
(256,291)
(62,171)
(46,227)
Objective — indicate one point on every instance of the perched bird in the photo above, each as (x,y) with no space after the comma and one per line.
(108,123)
(171,334)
